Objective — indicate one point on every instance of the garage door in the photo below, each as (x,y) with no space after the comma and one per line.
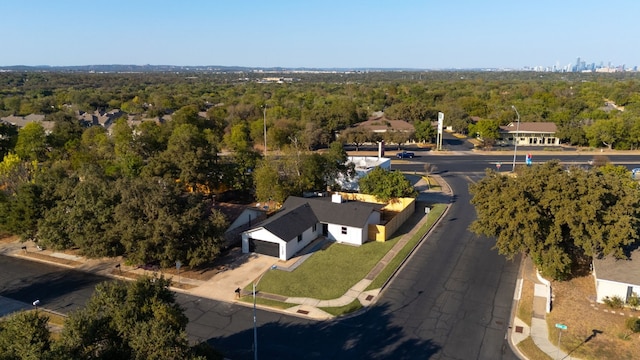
(264,247)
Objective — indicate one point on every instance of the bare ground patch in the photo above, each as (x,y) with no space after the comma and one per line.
(592,333)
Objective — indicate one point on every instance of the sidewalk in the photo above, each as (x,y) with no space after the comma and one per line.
(538,330)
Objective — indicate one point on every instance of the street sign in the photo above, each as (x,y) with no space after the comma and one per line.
(561,326)
(498,165)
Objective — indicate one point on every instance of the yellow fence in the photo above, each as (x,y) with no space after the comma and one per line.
(394,214)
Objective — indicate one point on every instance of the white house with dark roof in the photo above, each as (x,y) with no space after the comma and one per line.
(617,277)
(302,220)
(530,134)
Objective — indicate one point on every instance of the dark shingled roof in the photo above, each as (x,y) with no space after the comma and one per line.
(298,214)
(623,271)
(350,213)
(290,222)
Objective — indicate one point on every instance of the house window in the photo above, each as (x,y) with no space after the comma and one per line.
(315,226)
(344,230)
(299,237)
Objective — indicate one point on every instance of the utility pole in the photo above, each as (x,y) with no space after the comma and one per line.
(264,122)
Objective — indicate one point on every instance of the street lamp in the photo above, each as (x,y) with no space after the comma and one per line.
(515,139)
(264,121)
(255,327)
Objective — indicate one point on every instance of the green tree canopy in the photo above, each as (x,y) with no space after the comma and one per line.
(386,185)
(128,320)
(560,218)
(425,132)
(32,142)
(487,130)
(25,336)
(8,138)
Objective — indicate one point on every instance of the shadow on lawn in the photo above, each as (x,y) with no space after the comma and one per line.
(594,333)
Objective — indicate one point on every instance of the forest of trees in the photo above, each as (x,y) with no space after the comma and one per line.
(144,191)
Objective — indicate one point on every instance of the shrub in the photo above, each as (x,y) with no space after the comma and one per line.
(633,324)
(633,301)
(614,302)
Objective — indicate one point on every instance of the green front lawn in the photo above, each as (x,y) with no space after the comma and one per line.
(329,273)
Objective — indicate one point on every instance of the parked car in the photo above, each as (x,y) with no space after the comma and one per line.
(405,155)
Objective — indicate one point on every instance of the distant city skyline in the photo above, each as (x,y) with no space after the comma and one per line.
(460,34)
(581,65)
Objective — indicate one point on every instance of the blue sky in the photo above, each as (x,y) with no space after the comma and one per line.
(425,34)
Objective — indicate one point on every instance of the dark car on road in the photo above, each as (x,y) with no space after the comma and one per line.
(405,155)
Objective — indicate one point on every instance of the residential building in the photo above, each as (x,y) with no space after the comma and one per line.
(617,277)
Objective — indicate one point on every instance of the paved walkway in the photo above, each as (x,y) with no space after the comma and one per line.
(538,330)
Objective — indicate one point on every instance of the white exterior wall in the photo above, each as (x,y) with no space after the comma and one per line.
(612,288)
(374,218)
(353,236)
(525,139)
(293,246)
(261,234)
(287,249)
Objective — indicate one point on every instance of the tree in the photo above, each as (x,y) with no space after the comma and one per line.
(25,336)
(487,130)
(356,136)
(24,211)
(559,218)
(157,222)
(123,320)
(428,170)
(396,137)
(8,138)
(337,165)
(605,132)
(32,142)
(386,185)
(268,184)
(126,150)
(572,132)
(65,129)
(14,172)
(313,136)
(241,167)
(151,138)
(193,156)
(425,132)
(239,137)
(83,219)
